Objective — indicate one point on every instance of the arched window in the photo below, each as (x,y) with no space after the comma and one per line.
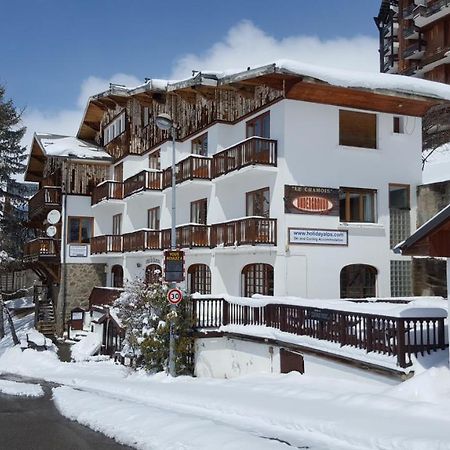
(153,273)
(117,276)
(358,281)
(257,279)
(199,279)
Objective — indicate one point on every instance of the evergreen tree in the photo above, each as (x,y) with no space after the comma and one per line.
(12,193)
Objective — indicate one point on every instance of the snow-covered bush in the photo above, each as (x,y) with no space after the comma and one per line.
(145,313)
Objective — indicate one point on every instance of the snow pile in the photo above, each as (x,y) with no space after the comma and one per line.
(20,389)
(20,303)
(87,347)
(22,325)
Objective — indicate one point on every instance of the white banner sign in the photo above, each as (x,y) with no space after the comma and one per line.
(317,236)
(78,251)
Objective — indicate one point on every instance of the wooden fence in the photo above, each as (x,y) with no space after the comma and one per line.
(390,336)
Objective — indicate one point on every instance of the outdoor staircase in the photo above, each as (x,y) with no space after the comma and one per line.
(45,321)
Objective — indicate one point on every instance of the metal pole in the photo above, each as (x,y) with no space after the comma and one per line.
(173,245)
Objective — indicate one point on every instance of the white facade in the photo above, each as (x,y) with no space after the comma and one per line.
(309,154)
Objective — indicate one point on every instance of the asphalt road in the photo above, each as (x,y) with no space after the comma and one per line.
(35,424)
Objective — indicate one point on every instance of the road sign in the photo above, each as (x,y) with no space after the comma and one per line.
(174,296)
(174,266)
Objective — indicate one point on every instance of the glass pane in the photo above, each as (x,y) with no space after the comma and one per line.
(86,230)
(398,197)
(354,207)
(368,207)
(74,227)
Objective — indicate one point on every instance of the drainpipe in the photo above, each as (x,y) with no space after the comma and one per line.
(64,248)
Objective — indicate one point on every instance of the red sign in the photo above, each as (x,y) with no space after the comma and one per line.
(174,296)
(312,203)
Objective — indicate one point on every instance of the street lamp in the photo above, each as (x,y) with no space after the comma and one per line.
(164,122)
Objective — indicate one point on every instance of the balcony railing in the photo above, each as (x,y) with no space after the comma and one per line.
(41,248)
(143,181)
(108,190)
(411,32)
(44,200)
(247,231)
(254,150)
(414,50)
(391,336)
(192,168)
(408,11)
(106,244)
(434,7)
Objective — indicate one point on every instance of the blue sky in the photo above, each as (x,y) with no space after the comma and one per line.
(56,53)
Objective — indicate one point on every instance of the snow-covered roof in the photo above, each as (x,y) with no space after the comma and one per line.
(68,146)
(437,165)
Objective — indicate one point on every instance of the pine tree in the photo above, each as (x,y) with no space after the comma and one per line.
(12,193)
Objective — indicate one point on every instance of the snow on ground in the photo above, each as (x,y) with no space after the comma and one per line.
(160,412)
(22,325)
(20,389)
(89,345)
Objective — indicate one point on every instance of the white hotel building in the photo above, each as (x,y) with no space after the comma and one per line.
(291,181)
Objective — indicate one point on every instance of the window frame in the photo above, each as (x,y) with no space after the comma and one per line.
(117,224)
(200,203)
(256,275)
(255,193)
(400,185)
(107,138)
(260,118)
(151,156)
(352,190)
(156,210)
(366,290)
(79,218)
(202,141)
(350,144)
(199,279)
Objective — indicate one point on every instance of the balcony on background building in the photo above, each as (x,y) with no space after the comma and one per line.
(415,51)
(142,240)
(411,33)
(107,190)
(409,11)
(106,244)
(41,249)
(435,58)
(145,181)
(434,10)
(46,199)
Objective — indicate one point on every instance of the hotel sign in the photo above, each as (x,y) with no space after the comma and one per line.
(311,200)
(317,236)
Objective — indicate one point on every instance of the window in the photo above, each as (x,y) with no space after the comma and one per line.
(154,160)
(200,145)
(80,229)
(357,129)
(153,218)
(358,281)
(398,125)
(401,279)
(259,126)
(357,205)
(199,210)
(399,213)
(115,128)
(153,274)
(199,279)
(258,203)
(257,279)
(117,225)
(117,276)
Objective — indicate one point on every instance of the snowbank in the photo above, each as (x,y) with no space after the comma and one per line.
(20,389)
(20,303)
(87,347)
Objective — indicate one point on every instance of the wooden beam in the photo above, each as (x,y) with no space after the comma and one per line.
(188,95)
(206,92)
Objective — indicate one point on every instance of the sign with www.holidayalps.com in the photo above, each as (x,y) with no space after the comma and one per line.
(174,296)
(317,236)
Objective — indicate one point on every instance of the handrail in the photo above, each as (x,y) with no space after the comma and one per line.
(400,337)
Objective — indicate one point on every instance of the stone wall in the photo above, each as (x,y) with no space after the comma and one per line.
(81,278)
(429,274)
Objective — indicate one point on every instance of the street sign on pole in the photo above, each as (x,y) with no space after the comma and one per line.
(174,296)
(174,266)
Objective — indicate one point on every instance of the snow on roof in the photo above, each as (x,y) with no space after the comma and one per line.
(437,165)
(68,146)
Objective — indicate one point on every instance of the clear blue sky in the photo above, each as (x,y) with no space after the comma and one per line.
(48,47)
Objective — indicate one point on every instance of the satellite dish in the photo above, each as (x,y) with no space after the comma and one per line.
(53,217)
(51,231)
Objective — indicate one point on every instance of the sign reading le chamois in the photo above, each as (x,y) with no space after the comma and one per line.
(311,200)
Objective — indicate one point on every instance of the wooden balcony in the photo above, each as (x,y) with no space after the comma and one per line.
(191,168)
(247,231)
(43,201)
(41,249)
(398,337)
(108,190)
(142,240)
(252,151)
(143,181)
(188,236)
(106,244)
(415,51)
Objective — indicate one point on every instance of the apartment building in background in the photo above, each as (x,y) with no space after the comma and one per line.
(291,181)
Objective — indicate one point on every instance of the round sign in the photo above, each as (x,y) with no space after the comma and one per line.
(53,217)
(174,296)
(51,231)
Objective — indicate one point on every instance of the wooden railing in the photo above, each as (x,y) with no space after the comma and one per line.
(247,231)
(41,248)
(142,240)
(45,199)
(191,168)
(143,181)
(187,236)
(106,244)
(254,150)
(108,190)
(391,336)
